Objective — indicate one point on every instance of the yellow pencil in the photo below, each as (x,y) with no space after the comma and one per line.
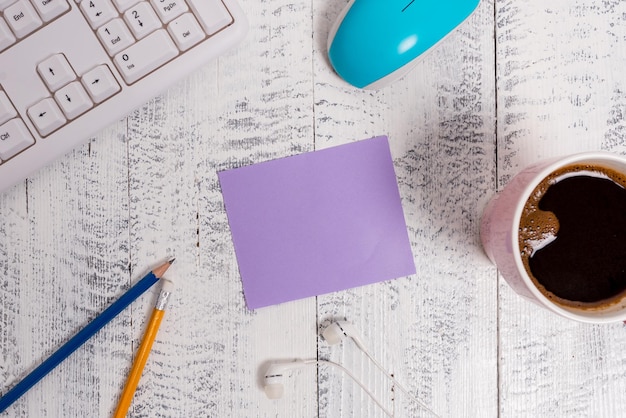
(144,349)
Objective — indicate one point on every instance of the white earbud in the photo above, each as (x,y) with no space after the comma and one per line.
(335,332)
(273,379)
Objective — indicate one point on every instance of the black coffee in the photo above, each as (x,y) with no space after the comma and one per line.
(573,236)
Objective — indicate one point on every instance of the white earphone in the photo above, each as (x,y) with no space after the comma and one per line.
(333,334)
(273,379)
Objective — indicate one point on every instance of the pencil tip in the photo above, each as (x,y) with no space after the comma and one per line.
(163,268)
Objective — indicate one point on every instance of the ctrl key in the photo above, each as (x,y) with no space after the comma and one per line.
(14,137)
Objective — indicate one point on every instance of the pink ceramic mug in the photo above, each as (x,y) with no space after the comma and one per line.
(499,231)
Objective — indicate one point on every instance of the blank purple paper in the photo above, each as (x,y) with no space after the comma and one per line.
(316,223)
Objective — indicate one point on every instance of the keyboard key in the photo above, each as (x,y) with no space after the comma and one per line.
(145,56)
(49,9)
(169,10)
(7,111)
(142,19)
(56,72)
(115,36)
(14,137)
(46,116)
(5,3)
(212,14)
(185,31)
(98,12)
(6,36)
(22,18)
(100,83)
(123,5)
(73,100)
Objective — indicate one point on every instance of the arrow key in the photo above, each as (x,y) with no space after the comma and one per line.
(100,83)
(56,71)
(73,100)
(46,116)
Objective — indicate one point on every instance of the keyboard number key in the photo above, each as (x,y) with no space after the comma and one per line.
(73,100)
(145,56)
(22,18)
(100,83)
(46,116)
(7,111)
(98,12)
(185,31)
(115,36)
(14,137)
(142,19)
(56,72)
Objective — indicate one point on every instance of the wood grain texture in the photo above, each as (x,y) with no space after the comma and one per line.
(434,331)
(519,81)
(68,257)
(560,90)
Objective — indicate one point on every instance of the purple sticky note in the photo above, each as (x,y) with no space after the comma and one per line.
(317,222)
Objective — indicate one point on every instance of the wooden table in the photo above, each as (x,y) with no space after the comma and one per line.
(519,81)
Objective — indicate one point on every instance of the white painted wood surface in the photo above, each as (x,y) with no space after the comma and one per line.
(519,81)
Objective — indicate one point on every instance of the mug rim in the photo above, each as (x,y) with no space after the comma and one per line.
(592,316)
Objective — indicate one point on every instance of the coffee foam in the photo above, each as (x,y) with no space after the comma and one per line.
(584,172)
(539,228)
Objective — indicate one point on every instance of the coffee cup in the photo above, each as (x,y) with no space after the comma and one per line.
(557,239)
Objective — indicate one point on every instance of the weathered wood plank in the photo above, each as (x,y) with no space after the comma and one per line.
(436,331)
(561,83)
(96,219)
(65,240)
(246,107)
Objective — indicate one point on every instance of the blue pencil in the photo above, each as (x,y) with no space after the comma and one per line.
(82,336)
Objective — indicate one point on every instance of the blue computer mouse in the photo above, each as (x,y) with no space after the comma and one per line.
(375,42)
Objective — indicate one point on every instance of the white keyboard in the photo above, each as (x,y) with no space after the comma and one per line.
(69,68)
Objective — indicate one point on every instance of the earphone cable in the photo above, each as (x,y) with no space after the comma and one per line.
(351,376)
(394,380)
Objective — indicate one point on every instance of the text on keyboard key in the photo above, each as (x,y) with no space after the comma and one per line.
(46,116)
(98,12)
(49,9)
(142,19)
(115,36)
(14,137)
(7,111)
(6,36)
(22,18)
(212,14)
(145,56)
(100,83)
(56,72)
(169,10)
(73,100)
(186,31)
